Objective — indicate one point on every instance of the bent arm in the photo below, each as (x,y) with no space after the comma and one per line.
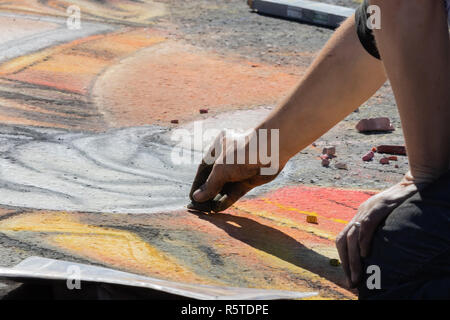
(340,79)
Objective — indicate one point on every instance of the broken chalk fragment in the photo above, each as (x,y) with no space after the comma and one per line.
(203,111)
(375,124)
(398,150)
(173,121)
(393,158)
(341,166)
(329,150)
(325,162)
(384,161)
(311,219)
(368,156)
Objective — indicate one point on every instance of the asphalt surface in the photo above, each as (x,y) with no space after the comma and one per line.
(95,165)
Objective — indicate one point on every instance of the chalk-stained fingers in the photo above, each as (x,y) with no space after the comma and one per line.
(204,171)
(231,193)
(354,257)
(212,186)
(341,245)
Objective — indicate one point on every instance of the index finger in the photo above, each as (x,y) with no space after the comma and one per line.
(206,165)
(203,172)
(341,245)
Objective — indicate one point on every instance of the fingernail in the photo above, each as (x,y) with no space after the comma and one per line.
(195,194)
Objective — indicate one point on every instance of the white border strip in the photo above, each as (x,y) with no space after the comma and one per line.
(303,10)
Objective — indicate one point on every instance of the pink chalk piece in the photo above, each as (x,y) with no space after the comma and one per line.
(375,124)
(390,149)
(368,156)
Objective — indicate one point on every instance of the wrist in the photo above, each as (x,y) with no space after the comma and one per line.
(262,148)
(419,181)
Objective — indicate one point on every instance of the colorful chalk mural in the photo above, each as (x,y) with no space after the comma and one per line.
(84,170)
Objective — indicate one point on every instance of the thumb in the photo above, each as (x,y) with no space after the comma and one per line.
(211,187)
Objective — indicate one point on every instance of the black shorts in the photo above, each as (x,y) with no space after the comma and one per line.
(412,248)
(365,34)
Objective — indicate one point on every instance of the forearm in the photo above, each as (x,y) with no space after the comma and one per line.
(414,44)
(341,78)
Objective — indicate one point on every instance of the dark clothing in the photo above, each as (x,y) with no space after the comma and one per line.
(365,34)
(412,248)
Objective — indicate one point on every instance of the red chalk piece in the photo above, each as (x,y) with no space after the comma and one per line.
(374,149)
(384,161)
(368,156)
(398,150)
(203,110)
(393,158)
(173,121)
(325,163)
(375,124)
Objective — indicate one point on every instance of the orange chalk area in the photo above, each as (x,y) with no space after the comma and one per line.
(175,81)
(115,11)
(71,67)
(65,73)
(264,242)
(133,77)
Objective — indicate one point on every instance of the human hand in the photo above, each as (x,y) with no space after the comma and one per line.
(218,184)
(354,242)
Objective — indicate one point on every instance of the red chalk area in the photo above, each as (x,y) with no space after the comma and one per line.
(333,207)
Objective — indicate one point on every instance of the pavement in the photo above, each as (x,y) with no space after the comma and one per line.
(86,131)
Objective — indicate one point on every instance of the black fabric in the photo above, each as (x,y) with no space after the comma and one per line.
(412,248)
(365,34)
